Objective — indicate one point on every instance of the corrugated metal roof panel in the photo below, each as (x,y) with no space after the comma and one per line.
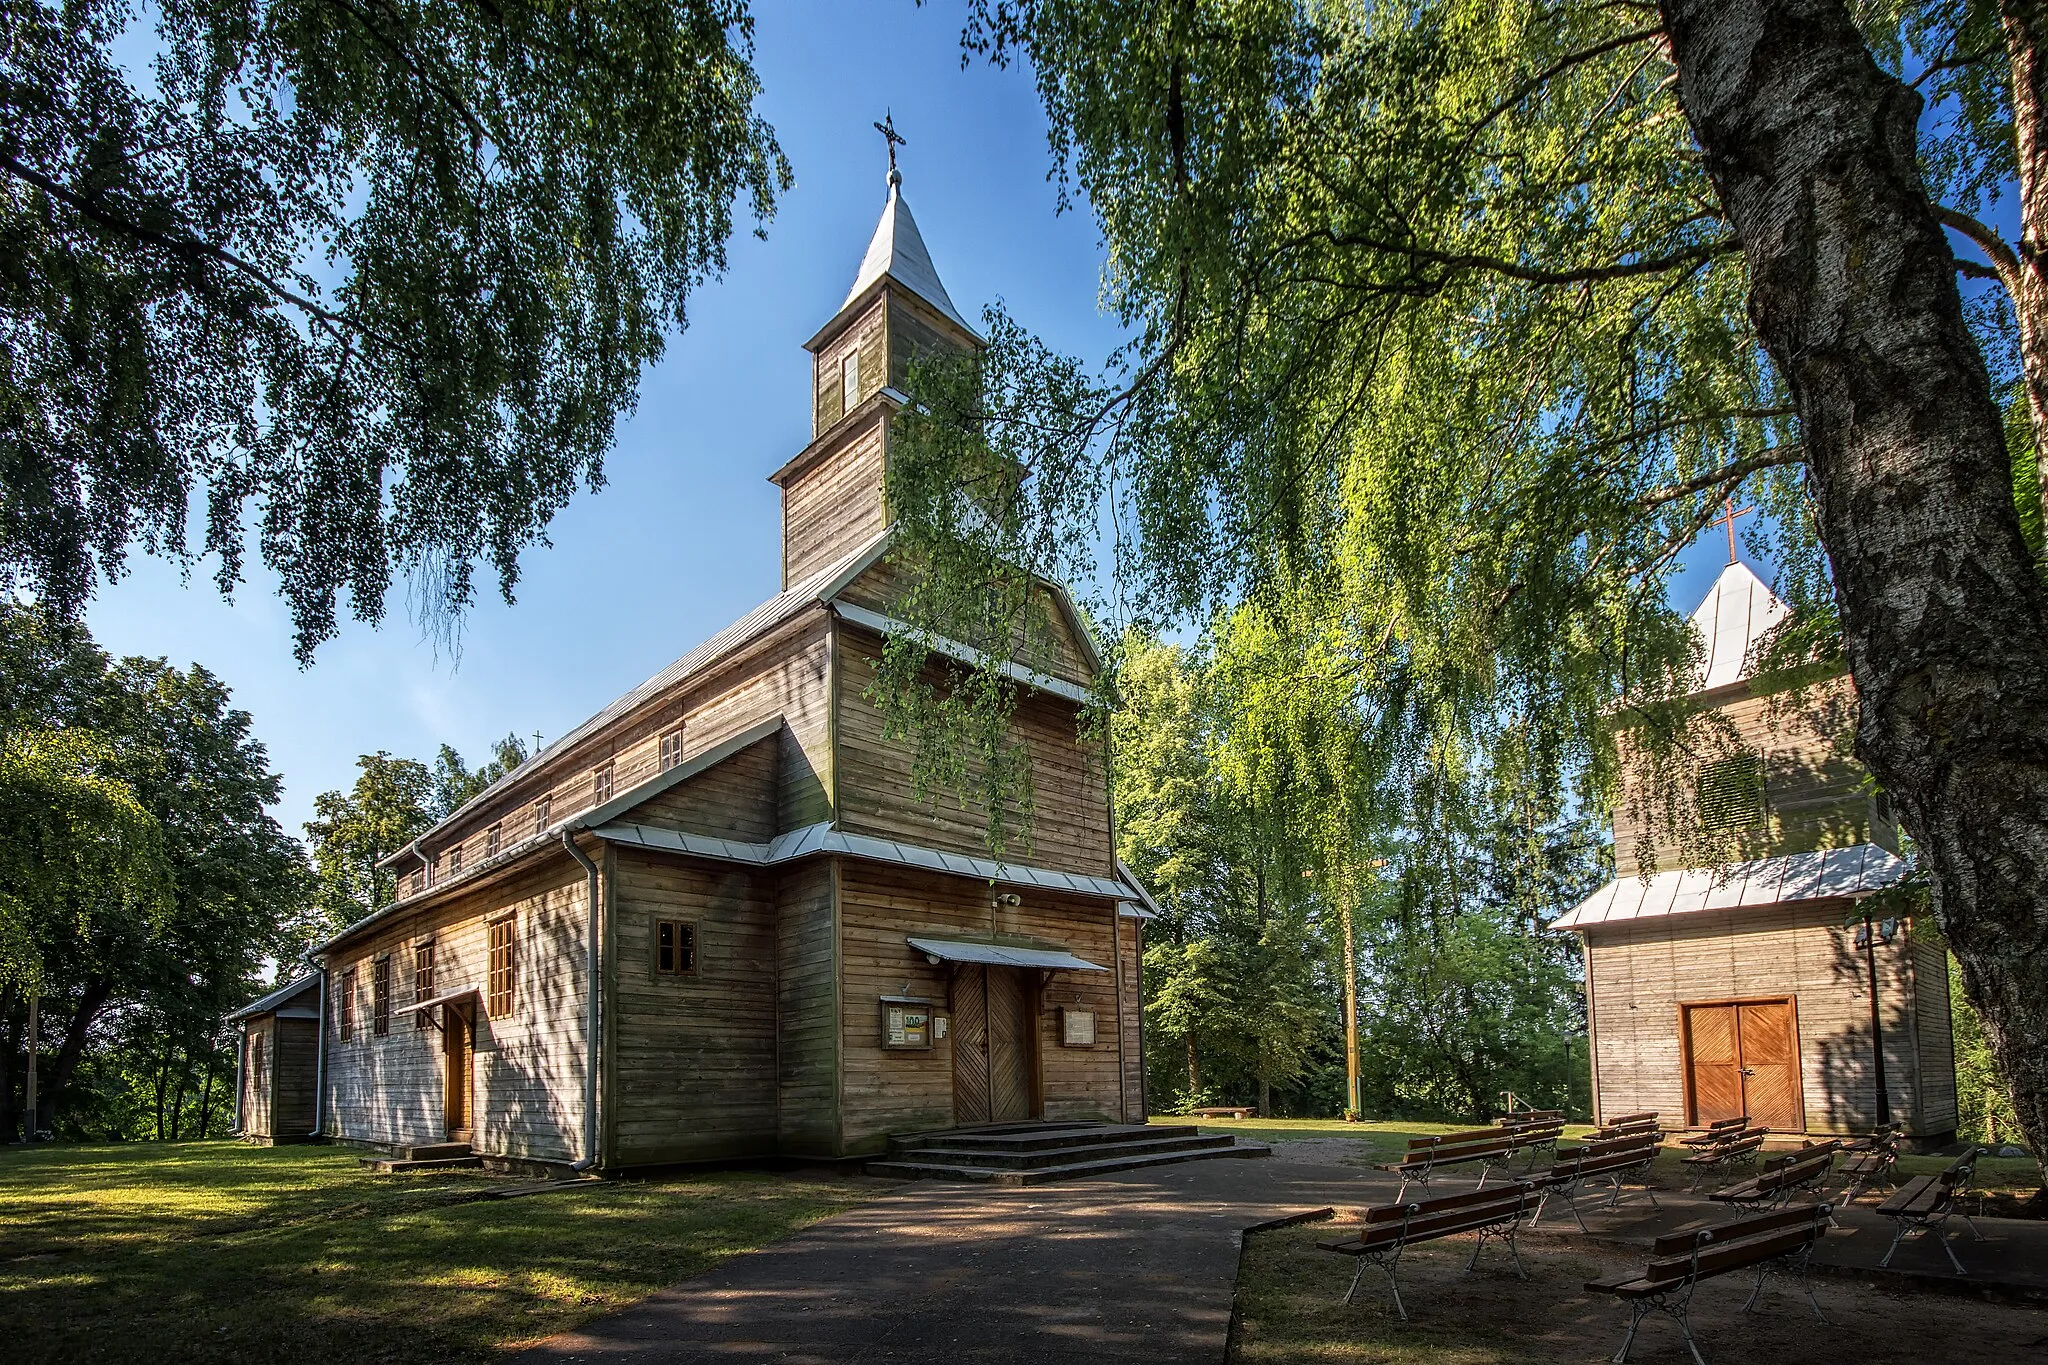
(1003,955)
(1840,872)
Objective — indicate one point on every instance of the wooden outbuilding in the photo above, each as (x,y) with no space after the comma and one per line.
(1754,987)
(715,921)
(278,1062)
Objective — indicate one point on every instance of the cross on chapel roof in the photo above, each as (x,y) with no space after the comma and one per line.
(897,249)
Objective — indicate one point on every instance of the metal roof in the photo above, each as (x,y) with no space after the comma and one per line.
(1003,955)
(822,838)
(1737,612)
(278,998)
(1836,872)
(897,250)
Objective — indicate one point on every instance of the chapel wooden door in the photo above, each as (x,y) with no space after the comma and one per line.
(1743,1058)
(995,1057)
(456,1052)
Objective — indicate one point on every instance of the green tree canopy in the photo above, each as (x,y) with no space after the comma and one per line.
(372,281)
(391,804)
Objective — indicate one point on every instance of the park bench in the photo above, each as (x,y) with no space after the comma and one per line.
(1717,1132)
(1774,1243)
(1870,1161)
(1610,1163)
(1226,1111)
(1494,1214)
(1783,1177)
(1640,1127)
(1524,1117)
(1493,1148)
(1724,1156)
(1644,1118)
(1924,1203)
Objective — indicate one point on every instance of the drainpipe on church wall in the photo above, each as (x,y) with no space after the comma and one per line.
(319,1056)
(1884,1102)
(589,1158)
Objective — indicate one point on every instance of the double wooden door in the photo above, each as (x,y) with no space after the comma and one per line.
(1742,1057)
(995,1052)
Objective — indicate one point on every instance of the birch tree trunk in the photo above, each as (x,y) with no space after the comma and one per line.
(1852,290)
(2026,275)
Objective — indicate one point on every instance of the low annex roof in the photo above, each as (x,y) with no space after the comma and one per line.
(1003,955)
(279,998)
(1836,872)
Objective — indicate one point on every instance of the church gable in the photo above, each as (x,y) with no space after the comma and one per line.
(734,797)
(1053,641)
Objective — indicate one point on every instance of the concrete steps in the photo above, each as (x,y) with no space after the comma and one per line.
(1037,1154)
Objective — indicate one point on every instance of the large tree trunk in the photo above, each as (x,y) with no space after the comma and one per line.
(90,1002)
(2026,276)
(1812,149)
(10,1048)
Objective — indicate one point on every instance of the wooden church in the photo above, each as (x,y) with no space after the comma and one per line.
(714,921)
(1758,987)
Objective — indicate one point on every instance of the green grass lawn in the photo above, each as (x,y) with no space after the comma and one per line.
(213,1251)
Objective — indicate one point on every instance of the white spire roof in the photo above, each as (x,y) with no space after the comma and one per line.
(1738,611)
(898,251)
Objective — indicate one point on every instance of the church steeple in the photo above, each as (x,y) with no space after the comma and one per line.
(897,310)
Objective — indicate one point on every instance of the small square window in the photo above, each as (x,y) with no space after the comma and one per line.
(601,784)
(849,379)
(1731,794)
(540,814)
(455,860)
(419,880)
(675,947)
(491,842)
(672,749)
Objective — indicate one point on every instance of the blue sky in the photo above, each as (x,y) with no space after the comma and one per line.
(685,535)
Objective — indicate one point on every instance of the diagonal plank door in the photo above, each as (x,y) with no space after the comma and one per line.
(970,1045)
(1011,1056)
(1770,1066)
(1714,1051)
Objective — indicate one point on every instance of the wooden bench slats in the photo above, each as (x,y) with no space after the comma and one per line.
(1733,1256)
(1919,1195)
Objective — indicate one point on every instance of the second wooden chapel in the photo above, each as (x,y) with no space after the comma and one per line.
(1760,988)
(713,921)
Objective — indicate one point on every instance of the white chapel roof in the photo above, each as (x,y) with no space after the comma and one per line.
(1854,871)
(1738,611)
(898,251)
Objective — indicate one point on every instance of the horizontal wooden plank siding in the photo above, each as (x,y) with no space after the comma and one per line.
(877,794)
(1642,972)
(1045,640)
(527,1088)
(864,333)
(1133,934)
(293,1066)
(835,506)
(886,1091)
(695,1054)
(1935,1026)
(259,1047)
(807,1008)
(737,799)
(1814,790)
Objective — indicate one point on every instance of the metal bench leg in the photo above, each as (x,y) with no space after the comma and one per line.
(1636,1310)
(1691,1344)
(1763,1272)
(1972,1223)
(1357,1275)
(1898,1236)
(1806,1283)
(1941,1235)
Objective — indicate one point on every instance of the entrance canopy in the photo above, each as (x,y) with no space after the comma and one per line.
(451,998)
(1002,955)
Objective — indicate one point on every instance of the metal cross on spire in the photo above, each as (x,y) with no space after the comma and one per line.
(1727,518)
(894,139)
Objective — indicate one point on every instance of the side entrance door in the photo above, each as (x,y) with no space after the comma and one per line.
(456,1051)
(1742,1057)
(995,1052)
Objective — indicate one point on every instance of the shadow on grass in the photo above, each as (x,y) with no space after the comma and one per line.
(387,1271)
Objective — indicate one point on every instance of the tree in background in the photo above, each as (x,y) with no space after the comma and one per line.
(198,887)
(456,784)
(391,804)
(375,281)
(1454,323)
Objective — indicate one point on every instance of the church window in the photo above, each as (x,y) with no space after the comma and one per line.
(256,1058)
(422,980)
(672,748)
(849,379)
(504,962)
(601,784)
(675,947)
(348,1005)
(540,814)
(455,860)
(380,996)
(491,842)
(419,880)
(1731,794)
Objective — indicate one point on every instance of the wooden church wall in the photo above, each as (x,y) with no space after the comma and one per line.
(293,1064)
(887,1091)
(878,796)
(866,333)
(259,1049)
(1131,933)
(1640,974)
(807,1006)
(527,1078)
(1813,793)
(1934,1027)
(1046,644)
(835,506)
(736,799)
(783,674)
(692,1055)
